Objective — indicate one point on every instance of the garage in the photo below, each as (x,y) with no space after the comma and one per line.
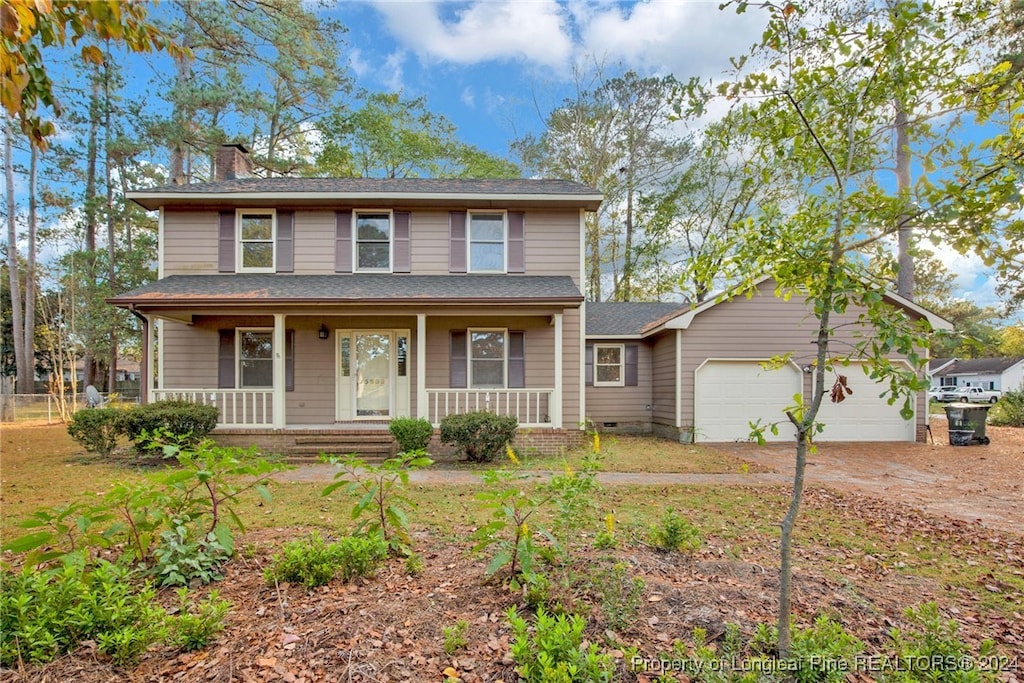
(863,416)
(730,394)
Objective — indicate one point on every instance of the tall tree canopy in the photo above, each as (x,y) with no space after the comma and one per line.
(824,84)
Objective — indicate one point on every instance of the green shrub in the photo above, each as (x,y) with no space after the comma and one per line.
(553,652)
(1008,411)
(96,429)
(455,636)
(181,560)
(46,614)
(675,534)
(411,433)
(190,422)
(314,562)
(932,651)
(481,436)
(194,628)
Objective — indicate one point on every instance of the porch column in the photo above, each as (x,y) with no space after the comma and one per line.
(279,371)
(422,401)
(146,366)
(679,379)
(556,396)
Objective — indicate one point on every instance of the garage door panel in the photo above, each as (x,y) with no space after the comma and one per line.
(731,394)
(864,415)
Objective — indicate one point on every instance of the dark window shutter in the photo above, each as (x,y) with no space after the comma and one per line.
(516,242)
(289,360)
(632,364)
(516,360)
(226,243)
(589,365)
(285,241)
(457,362)
(457,242)
(226,360)
(402,258)
(343,243)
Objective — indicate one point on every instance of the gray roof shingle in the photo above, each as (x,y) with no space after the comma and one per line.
(626,318)
(979,366)
(344,288)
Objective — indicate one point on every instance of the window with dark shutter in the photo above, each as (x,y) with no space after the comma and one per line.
(401,243)
(632,365)
(343,242)
(516,359)
(457,242)
(516,242)
(457,366)
(226,243)
(285,241)
(589,365)
(226,356)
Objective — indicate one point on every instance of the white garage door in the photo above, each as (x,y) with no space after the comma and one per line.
(730,395)
(863,416)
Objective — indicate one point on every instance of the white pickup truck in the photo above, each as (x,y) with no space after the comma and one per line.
(969,395)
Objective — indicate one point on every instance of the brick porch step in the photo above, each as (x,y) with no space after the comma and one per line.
(368,445)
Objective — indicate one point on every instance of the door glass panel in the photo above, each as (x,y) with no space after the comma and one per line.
(373,374)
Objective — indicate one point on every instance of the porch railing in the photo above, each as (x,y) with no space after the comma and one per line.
(235,407)
(532,407)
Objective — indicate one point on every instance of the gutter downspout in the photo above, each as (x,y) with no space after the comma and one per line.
(144,369)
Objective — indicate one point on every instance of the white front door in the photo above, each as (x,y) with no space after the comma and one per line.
(373,377)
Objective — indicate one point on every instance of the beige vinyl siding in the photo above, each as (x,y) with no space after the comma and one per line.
(552,242)
(315,233)
(190,242)
(663,379)
(189,356)
(759,328)
(572,368)
(624,404)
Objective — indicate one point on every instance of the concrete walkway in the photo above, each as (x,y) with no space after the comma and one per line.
(321,473)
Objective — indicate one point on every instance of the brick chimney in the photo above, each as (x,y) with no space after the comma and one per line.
(232,162)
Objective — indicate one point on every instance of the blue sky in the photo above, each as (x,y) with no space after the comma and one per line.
(495,68)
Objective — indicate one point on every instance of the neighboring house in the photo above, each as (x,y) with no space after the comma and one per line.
(935,367)
(304,308)
(1000,374)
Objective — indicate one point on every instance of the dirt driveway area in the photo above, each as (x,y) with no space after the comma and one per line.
(974,483)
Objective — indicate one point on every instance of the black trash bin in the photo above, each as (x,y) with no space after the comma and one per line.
(967,423)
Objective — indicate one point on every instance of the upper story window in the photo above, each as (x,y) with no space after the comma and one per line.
(373,241)
(487,359)
(486,242)
(257,230)
(608,365)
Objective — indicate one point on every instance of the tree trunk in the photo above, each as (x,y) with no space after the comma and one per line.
(30,267)
(905,276)
(111,237)
(88,360)
(23,379)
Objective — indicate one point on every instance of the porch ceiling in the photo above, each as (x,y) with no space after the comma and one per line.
(259,291)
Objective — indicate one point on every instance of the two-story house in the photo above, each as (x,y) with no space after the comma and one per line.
(309,304)
(308,308)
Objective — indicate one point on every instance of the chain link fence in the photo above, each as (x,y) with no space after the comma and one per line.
(45,408)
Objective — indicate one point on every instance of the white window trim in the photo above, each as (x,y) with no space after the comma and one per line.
(355,241)
(239,331)
(239,251)
(621,382)
(469,240)
(469,356)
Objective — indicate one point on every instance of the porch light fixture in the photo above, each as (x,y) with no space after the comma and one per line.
(323,331)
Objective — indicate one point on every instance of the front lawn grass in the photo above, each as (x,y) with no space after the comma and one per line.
(842,535)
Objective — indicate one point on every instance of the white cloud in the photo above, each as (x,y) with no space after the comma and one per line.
(468,98)
(672,36)
(490,30)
